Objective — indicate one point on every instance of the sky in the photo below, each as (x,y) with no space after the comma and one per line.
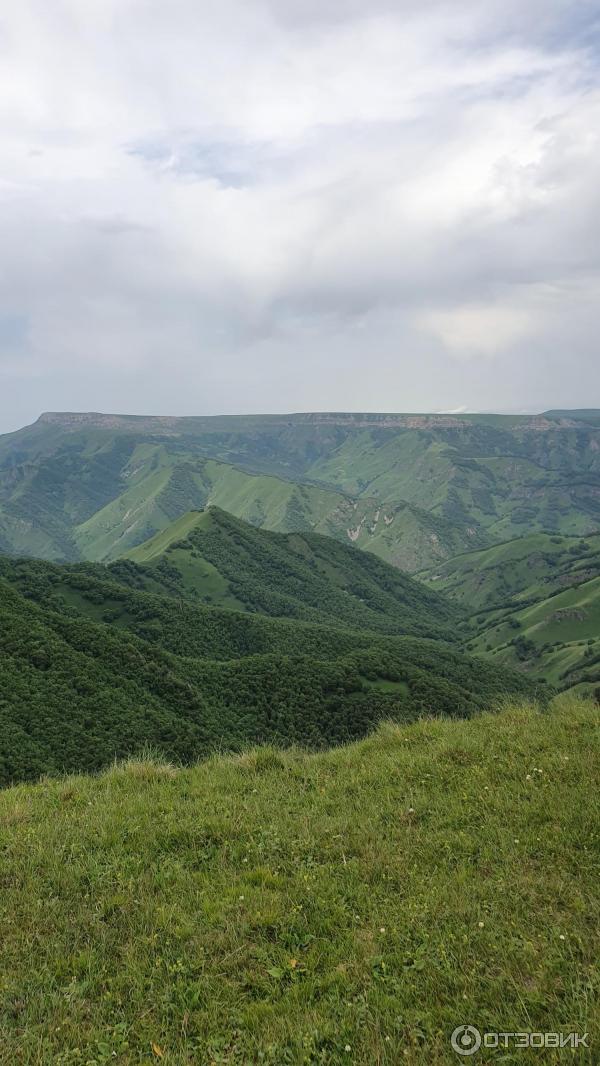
(292,205)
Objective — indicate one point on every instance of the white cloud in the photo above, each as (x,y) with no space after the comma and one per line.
(472,331)
(226,192)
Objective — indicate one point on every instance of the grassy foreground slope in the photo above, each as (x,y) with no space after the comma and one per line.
(213,557)
(353,906)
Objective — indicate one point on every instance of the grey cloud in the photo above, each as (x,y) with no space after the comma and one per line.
(282,205)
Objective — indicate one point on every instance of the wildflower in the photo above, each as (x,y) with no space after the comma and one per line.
(411,810)
(382,930)
(347,1047)
(240,897)
(562,937)
(516,840)
(528,777)
(480,924)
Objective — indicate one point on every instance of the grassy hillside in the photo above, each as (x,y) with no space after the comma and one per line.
(515,569)
(99,495)
(212,557)
(91,669)
(353,906)
(413,489)
(538,605)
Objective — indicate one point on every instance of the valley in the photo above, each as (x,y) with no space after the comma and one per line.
(414,490)
(248,578)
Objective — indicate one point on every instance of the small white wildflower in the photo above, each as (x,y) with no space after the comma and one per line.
(516,840)
(347,1047)
(528,777)
(411,810)
(480,924)
(562,937)
(240,897)
(382,930)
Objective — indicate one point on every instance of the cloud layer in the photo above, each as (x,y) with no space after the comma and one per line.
(284,205)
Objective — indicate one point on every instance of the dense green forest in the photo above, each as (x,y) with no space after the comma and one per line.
(92,669)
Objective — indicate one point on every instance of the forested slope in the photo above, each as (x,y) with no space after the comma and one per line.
(91,669)
(213,557)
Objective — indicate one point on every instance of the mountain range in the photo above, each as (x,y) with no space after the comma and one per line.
(413,489)
(206,583)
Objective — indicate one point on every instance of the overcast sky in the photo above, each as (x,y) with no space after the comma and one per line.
(283,205)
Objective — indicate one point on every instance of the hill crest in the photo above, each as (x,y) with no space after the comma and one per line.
(212,556)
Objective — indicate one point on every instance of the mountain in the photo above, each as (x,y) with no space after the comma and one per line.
(100,494)
(212,557)
(92,668)
(335,908)
(536,602)
(413,489)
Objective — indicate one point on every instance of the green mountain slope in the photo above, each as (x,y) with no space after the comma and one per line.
(352,906)
(538,605)
(50,508)
(212,557)
(91,669)
(413,489)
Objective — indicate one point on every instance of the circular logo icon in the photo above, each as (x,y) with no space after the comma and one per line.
(465,1040)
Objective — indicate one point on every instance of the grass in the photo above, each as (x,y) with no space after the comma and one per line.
(162,541)
(346,907)
(544,588)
